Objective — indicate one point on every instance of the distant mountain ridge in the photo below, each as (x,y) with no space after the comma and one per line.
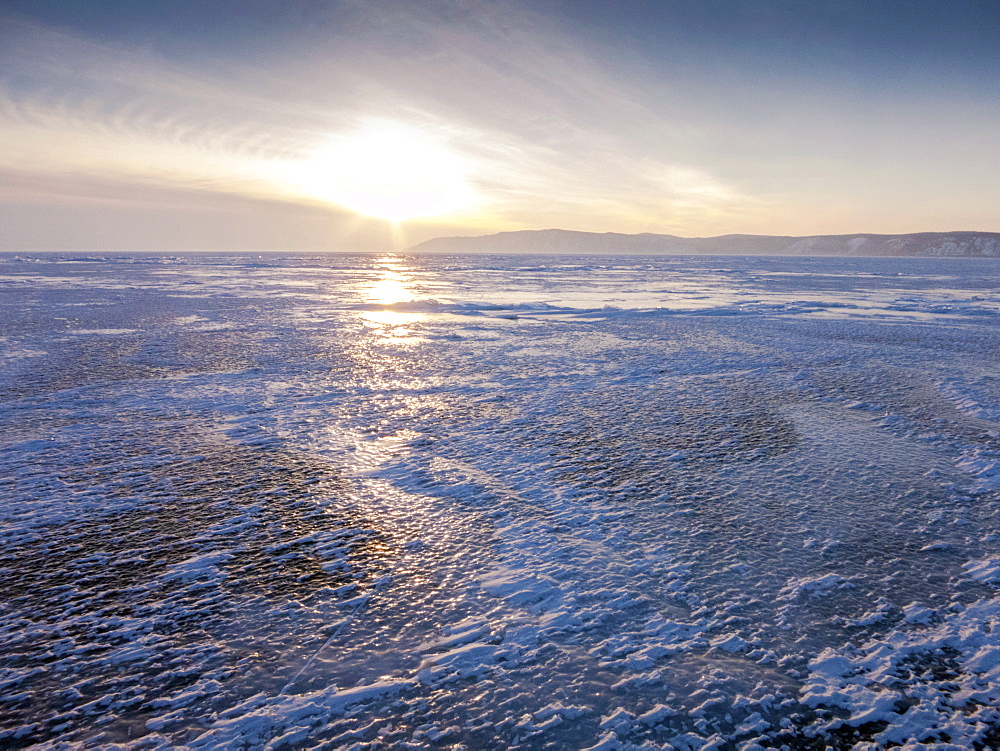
(940,244)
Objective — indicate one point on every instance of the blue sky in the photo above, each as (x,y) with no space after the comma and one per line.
(361,125)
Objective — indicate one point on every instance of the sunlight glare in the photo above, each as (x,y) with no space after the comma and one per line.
(388,171)
(390,288)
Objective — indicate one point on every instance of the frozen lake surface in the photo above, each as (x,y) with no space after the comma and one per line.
(499,502)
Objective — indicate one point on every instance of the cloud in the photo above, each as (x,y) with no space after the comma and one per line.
(536,119)
(552,126)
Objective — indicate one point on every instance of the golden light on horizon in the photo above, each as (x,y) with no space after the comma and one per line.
(385,170)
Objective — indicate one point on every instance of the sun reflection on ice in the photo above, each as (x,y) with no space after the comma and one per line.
(389,289)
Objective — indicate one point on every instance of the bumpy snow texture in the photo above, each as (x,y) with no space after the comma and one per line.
(491,502)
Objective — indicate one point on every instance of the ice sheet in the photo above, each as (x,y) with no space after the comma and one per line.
(266,501)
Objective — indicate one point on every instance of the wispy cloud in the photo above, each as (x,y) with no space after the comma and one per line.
(539,121)
(550,126)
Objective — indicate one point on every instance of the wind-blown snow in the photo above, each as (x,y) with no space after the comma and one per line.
(491,502)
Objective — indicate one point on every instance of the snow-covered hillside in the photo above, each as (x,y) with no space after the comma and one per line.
(950,244)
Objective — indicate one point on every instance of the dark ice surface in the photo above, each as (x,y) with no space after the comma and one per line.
(389,501)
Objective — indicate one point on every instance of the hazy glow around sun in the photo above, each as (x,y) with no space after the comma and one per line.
(385,170)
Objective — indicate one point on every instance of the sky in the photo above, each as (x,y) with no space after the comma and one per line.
(316,125)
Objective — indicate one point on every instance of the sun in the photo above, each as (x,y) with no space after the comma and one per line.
(386,170)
